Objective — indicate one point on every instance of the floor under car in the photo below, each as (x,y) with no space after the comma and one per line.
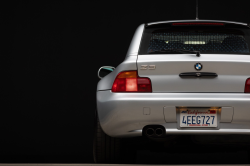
(177,150)
(201,156)
(199,149)
(193,140)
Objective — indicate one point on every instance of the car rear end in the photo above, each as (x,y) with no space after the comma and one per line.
(160,88)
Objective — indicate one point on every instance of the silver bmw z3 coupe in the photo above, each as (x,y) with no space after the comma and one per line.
(186,77)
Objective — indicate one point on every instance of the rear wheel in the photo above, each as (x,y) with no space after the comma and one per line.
(107,149)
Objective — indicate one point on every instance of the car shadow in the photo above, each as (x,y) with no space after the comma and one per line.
(202,156)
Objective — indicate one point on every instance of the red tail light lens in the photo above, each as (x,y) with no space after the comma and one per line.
(129,81)
(247,86)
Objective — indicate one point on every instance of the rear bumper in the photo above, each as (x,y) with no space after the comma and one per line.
(123,114)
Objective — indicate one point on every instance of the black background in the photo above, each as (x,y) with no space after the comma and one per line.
(53,52)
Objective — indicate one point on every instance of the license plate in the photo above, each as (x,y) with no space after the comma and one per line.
(198,117)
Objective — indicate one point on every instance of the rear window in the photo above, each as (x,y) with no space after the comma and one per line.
(227,39)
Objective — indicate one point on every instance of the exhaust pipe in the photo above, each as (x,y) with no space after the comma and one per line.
(154,131)
(150,132)
(158,132)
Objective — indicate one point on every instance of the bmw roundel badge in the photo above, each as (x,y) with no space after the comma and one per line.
(198,66)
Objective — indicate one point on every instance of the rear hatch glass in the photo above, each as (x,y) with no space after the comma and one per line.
(226,39)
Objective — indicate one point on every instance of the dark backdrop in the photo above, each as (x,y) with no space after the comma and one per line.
(53,52)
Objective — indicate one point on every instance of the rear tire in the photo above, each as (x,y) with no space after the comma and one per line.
(107,149)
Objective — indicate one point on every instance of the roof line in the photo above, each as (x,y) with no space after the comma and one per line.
(170,21)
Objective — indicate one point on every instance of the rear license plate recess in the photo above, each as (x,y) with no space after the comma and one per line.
(202,117)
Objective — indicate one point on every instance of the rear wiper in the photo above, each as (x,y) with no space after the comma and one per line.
(177,50)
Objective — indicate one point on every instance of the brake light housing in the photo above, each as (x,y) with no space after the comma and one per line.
(247,86)
(129,81)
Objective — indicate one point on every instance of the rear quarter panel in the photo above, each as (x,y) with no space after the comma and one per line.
(106,82)
(128,64)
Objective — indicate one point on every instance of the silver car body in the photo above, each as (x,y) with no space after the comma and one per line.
(125,114)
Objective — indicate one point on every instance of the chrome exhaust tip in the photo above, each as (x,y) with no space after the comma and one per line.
(150,132)
(158,132)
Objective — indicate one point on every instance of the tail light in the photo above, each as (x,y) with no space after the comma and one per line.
(247,86)
(129,81)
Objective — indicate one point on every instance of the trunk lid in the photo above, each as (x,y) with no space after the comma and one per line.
(232,70)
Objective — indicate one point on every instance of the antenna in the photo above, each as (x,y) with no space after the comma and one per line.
(197,10)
